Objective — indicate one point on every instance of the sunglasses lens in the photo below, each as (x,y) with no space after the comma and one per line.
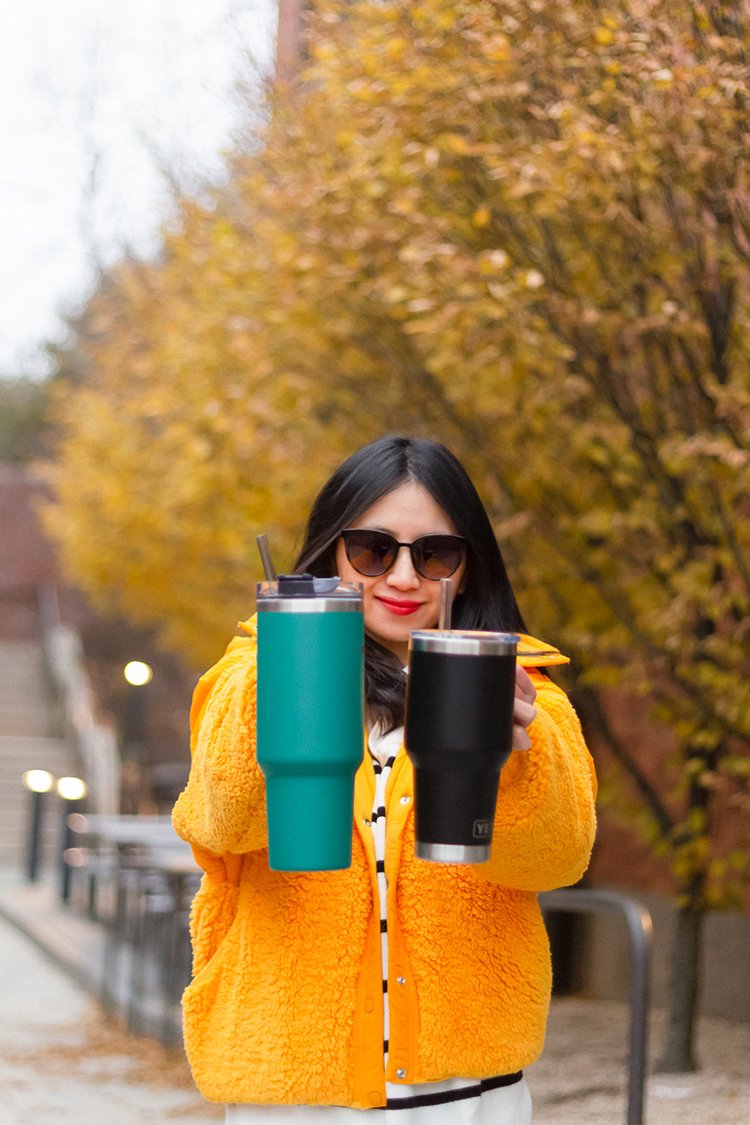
(370,552)
(437,556)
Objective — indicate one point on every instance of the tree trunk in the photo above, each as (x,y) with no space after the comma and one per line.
(679,1054)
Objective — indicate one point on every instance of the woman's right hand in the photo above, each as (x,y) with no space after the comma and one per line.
(524,711)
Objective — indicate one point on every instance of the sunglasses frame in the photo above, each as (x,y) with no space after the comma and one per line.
(460,540)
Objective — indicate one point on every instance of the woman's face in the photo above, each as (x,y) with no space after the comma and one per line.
(400,600)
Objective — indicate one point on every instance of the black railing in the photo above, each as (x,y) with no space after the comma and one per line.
(638,919)
(138,880)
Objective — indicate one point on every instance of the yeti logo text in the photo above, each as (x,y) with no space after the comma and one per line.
(482,829)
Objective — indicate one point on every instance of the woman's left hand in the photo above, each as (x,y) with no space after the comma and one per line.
(524,711)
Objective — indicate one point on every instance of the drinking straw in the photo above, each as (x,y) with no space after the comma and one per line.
(265,557)
(444,620)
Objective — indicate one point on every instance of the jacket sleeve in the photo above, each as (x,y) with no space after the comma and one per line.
(223,807)
(545,820)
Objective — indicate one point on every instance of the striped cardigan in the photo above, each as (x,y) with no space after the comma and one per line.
(285,1005)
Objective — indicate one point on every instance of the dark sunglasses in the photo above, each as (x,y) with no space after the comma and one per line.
(374,552)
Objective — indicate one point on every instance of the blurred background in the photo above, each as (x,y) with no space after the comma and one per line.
(109,118)
(241,239)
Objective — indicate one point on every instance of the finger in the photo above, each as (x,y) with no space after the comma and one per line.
(521,740)
(523,713)
(524,684)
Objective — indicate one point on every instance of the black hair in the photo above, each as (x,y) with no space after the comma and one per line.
(487,600)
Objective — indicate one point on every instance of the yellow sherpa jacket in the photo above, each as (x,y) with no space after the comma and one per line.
(286,1002)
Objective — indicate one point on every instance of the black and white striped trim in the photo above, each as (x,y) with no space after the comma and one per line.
(444,1097)
(382,773)
(471,1088)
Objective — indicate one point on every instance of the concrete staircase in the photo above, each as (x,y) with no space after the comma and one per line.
(30,738)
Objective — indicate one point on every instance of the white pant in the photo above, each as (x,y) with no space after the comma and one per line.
(508,1105)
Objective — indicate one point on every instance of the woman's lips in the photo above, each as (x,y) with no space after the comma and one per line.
(402,609)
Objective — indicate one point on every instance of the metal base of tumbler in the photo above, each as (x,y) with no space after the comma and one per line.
(452,853)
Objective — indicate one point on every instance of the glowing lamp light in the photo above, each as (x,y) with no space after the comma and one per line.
(137,673)
(72,788)
(38,781)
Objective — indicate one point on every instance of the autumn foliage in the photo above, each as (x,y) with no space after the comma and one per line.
(523,228)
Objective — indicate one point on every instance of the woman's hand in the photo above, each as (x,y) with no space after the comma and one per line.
(524,711)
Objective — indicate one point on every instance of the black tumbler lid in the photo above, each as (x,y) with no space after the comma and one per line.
(463,642)
(296,585)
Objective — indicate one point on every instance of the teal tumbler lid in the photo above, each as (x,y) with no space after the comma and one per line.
(303,593)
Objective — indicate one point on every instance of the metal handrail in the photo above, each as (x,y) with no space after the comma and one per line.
(584,900)
(95,744)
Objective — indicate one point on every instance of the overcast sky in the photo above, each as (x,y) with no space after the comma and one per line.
(96,98)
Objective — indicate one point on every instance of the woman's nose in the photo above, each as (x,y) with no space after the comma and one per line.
(402,573)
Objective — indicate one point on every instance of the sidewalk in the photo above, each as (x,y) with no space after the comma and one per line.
(581,1077)
(62,1060)
(66,1061)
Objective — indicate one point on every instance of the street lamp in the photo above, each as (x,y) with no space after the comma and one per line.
(72,790)
(38,782)
(138,673)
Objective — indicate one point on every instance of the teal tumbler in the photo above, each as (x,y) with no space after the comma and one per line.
(310,717)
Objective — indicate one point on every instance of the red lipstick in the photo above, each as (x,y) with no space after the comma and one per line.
(403,609)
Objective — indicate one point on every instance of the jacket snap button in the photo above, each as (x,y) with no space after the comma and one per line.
(405,800)
(369,1004)
(400,980)
(375,1098)
(401,1073)
(366,821)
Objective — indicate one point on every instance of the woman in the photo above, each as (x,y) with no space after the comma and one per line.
(415,988)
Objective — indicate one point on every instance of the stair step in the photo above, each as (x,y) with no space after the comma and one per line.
(18,754)
(21,661)
(28,722)
(23,670)
(26,743)
(27,703)
(30,728)
(31,689)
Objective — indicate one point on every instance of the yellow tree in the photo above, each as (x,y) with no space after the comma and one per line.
(524,228)
(567,201)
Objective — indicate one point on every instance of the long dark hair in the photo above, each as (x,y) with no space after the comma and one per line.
(487,600)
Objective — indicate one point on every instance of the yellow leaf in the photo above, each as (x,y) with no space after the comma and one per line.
(453,142)
(604,35)
(663,77)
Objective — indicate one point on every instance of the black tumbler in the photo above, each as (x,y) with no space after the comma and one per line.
(458,733)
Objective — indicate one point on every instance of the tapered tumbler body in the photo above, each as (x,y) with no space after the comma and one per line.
(310,722)
(458,734)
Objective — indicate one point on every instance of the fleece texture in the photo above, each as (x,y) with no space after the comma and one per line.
(285,1005)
